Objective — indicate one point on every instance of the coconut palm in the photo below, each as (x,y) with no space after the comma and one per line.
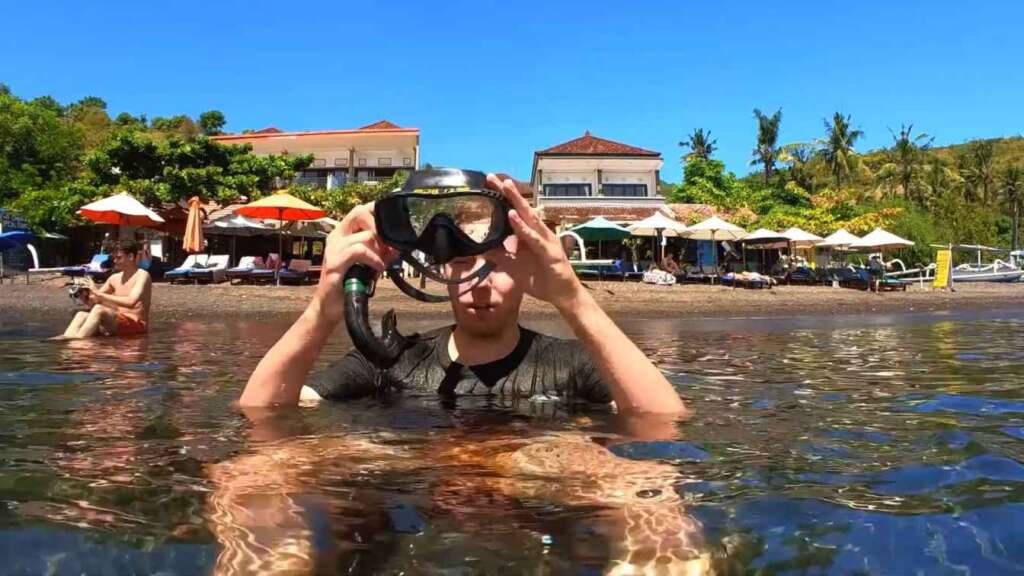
(1011,183)
(837,148)
(977,169)
(904,167)
(937,179)
(798,155)
(701,145)
(766,153)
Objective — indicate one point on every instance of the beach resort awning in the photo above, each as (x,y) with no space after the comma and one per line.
(120,209)
(879,239)
(714,228)
(655,224)
(600,229)
(801,239)
(763,237)
(840,239)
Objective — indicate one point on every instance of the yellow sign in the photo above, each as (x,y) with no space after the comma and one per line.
(943,260)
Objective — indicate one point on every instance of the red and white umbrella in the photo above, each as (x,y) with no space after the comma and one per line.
(121,210)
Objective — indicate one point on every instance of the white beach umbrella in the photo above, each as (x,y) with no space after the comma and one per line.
(658,225)
(801,239)
(714,228)
(840,239)
(655,224)
(881,240)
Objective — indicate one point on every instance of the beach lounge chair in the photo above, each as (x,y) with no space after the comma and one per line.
(214,271)
(95,265)
(192,262)
(295,273)
(265,273)
(244,269)
(746,280)
(612,271)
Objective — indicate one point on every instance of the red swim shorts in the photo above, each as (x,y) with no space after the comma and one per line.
(127,326)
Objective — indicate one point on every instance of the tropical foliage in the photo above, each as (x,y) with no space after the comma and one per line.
(54,158)
(969,193)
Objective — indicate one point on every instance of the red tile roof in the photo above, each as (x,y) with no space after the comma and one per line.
(270,132)
(589,145)
(381,125)
(524,187)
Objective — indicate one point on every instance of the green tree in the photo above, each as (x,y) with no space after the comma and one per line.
(49,103)
(212,122)
(1011,183)
(37,148)
(905,159)
(938,179)
(180,126)
(126,120)
(837,149)
(700,144)
(766,152)
(706,182)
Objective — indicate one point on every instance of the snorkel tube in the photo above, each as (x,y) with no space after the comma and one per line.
(418,217)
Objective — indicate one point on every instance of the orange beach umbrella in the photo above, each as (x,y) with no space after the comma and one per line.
(280,206)
(193,240)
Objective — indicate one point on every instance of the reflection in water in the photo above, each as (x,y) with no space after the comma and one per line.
(871,445)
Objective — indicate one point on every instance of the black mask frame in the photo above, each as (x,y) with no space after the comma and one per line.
(441,240)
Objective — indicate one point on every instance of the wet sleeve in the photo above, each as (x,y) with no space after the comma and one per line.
(587,384)
(350,377)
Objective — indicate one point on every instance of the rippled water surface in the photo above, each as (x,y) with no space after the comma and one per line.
(841,445)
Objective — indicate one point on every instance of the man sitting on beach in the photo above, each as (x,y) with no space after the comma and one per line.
(121,306)
(486,353)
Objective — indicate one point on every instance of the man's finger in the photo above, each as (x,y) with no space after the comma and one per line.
(357,219)
(523,231)
(515,199)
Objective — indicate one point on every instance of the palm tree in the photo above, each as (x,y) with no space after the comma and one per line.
(797,155)
(700,144)
(938,179)
(977,169)
(1011,181)
(766,153)
(837,148)
(905,157)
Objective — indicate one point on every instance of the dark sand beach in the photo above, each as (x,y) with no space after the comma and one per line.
(630,300)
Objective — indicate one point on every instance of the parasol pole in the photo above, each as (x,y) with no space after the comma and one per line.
(280,244)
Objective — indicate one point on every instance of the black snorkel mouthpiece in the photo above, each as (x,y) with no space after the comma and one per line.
(443,214)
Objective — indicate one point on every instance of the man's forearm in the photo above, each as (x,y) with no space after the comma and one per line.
(636,384)
(279,376)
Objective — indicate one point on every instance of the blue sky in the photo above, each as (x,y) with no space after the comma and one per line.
(490,82)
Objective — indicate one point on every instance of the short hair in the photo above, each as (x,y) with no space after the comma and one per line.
(130,247)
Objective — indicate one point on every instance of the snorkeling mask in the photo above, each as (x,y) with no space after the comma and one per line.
(442,215)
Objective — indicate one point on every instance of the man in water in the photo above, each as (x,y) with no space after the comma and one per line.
(486,352)
(121,306)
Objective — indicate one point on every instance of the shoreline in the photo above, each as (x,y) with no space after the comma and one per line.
(623,301)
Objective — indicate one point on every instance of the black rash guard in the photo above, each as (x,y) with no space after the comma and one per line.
(540,367)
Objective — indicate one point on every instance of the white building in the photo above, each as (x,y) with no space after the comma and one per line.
(590,176)
(369,154)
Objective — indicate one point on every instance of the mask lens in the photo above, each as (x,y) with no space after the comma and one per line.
(472,214)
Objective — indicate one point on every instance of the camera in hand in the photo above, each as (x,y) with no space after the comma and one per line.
(78,292)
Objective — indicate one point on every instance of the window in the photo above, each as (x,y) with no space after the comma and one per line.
(341,161)
(567,189)
(631,190)
(383,161)
(362,161)
(406,161)
(319,163)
